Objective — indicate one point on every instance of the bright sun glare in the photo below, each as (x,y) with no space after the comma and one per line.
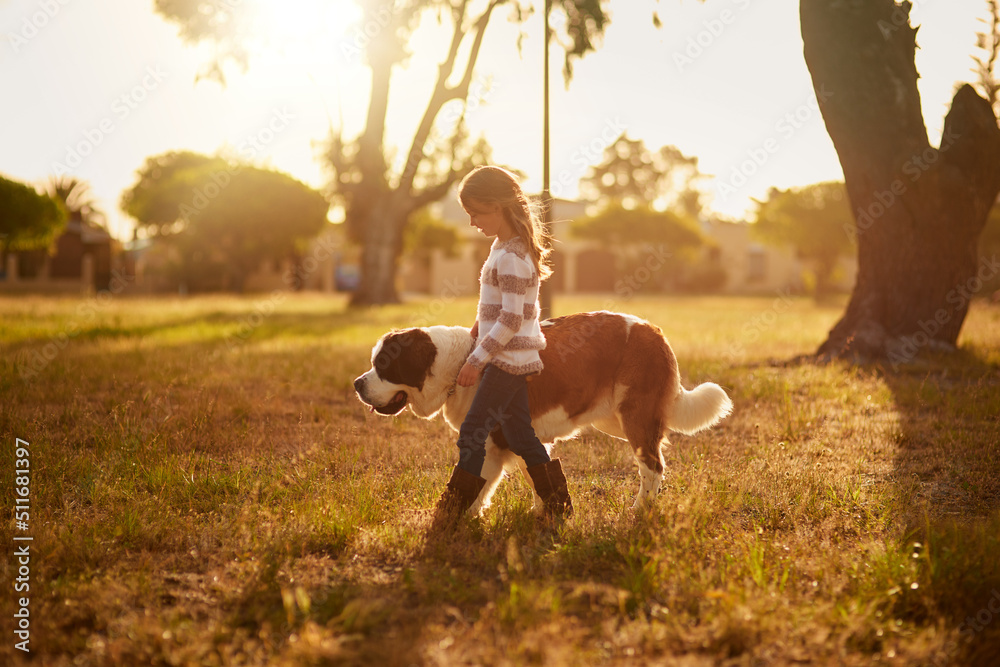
(305,29)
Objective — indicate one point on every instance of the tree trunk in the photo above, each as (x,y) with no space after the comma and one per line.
(380,210)
(918,209)
(383,245)
(824,268)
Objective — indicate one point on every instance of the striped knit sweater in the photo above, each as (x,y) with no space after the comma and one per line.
(509,332)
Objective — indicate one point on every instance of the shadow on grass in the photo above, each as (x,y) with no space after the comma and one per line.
(949,444)
(258,324)
(947,471)
(489,589)
(204,338)
(945,498)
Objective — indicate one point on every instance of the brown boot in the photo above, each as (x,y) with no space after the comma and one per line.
(550,485)
(462,490)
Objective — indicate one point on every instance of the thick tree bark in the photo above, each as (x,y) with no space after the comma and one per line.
(919,209)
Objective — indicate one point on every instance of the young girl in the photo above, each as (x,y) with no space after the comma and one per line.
(508,338)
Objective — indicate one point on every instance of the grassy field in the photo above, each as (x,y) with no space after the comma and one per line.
(205,489)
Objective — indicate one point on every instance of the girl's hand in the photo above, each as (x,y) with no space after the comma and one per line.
(468,375)
(475,330)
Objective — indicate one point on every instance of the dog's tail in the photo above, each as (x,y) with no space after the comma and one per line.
(700,408)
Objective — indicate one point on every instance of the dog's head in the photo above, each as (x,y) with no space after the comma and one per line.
(401,366)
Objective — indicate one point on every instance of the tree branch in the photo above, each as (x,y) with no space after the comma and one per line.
(444,93)
(971,143)
(434,193)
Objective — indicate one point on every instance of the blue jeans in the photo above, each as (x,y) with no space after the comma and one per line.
(501,401)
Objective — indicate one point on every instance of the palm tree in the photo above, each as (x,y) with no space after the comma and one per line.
(87,223)
(78,201)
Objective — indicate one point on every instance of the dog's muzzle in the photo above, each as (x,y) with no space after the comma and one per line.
(395,406)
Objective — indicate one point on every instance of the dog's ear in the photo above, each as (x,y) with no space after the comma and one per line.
(406,357)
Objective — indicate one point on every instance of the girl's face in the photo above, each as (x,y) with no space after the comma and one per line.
(489,219)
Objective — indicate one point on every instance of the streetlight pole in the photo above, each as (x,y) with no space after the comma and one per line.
(545,292)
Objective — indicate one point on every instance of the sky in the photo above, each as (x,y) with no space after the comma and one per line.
(93,88)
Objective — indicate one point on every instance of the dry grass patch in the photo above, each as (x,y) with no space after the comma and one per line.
(207,490)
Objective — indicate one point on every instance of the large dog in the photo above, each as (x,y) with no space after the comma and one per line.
(613,371)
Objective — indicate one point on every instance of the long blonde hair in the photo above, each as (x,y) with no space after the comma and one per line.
(490,186)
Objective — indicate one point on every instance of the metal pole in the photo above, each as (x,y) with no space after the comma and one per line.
(545,293)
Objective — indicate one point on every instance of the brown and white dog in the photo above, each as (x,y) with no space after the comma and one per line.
(613,371)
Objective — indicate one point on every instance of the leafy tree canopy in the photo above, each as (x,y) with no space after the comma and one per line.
(428,232)
(815,220)
(633,176)
(237,27)
(230,213)
(28,220)
(616,225)
(169,182)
